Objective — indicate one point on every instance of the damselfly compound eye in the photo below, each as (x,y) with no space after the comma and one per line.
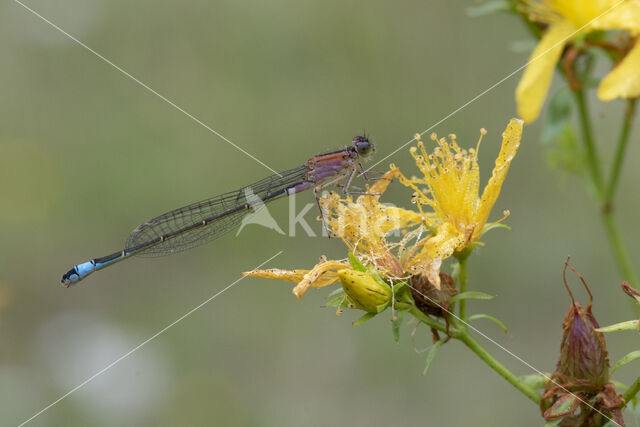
(362,145)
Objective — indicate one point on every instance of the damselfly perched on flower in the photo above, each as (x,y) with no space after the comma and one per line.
(201,222)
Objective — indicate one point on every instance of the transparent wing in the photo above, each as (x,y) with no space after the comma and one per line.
(202,222)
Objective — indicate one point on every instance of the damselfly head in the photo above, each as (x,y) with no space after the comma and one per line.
(362,145)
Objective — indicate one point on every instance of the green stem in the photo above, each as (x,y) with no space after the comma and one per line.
(505,373)
(622,146)
(632,391)
(619,251)
(432,323)
(590,146)
(464,336)
(463,288)
(605,196)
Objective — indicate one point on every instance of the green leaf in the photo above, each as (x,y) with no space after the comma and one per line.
(629,325)
(559,135)
(455,271)
(486,316)
(565,154)
(630,357)
(535,381)
(396,323)
(382,307)
(335,292)
(488,8)
(339,301)
(470,295)
(378,279)
(404,295)
(432,353)
(365,317)
(558,114)
(562,406)
(397,287)
(494,226)
(355,263)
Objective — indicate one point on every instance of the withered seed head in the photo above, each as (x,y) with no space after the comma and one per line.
(428,298)
(583,363)
(583,354)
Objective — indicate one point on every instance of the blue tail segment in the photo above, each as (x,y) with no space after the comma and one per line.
(81,271)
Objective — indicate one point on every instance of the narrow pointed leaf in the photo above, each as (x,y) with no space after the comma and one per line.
(355,263)
(339,301)
(365,317)
(471,295)
(397,323)
(629,325)
(630,357)
(486,316)
(494,226)
(335,293)
(432,354)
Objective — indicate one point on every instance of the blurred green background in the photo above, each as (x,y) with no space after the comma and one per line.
(86,154)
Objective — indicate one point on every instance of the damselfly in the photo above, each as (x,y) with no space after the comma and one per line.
(201,222)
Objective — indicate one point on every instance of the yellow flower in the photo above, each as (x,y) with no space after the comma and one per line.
(566,21)
(362,225)
(450,188)
(457,218)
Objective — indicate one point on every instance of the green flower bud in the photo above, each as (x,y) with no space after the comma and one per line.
(364,291)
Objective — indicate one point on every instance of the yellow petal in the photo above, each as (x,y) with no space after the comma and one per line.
(294,276)
(624,16)
(435,249)
(624,80)
(510,142)
(396,219)
(380,186)
(532,89)
(321,275)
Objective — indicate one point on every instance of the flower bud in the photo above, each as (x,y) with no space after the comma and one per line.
(364,291)
(580,392)
(583,359)
(583,352)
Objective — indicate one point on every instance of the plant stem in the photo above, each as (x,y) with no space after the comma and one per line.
(622,145)
(464,336)
(632,391)
(619,251)
(432,323)
(605,196)
(463,288)
(505,373)
(592,155)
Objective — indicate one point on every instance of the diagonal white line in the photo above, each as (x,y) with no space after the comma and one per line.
(165,99)
(127,354)
(509,352)
(490,88)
